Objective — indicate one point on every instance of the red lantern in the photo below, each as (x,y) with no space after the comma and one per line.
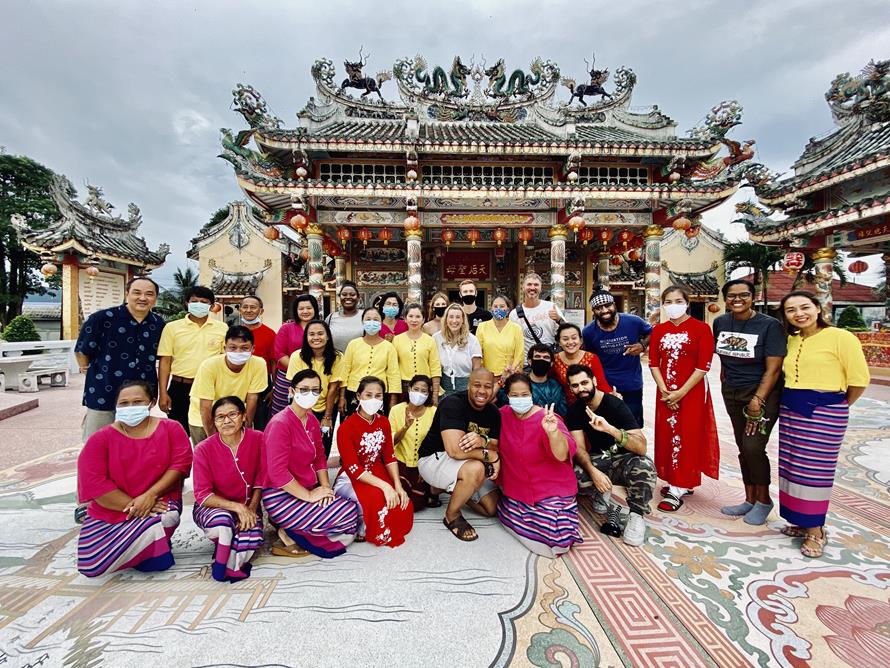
(412,223)
(385,235)
(616,249)
(625,236)
(692,232)
(858,267)
(299,222)
(615,261)
(304,255)
(637,242)
(49,269)
(333,250)
(344,234)
(633,255)
(447,236)
(682,223)
(577,223)
(272,233)
(793,261)
(474,235)
(526,234)
(586,235)
(713,308)
(500,235)
(365,235)
(605,235)
(216,308)
(92,271)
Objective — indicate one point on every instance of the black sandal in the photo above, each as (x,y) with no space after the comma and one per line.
(664,491)
(459,527)
(670,503)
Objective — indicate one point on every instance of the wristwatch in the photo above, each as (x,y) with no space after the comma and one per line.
(485,455)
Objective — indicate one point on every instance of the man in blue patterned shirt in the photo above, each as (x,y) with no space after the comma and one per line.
(115,345)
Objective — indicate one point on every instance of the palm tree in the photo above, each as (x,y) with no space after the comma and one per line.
(757,257)
(170,301)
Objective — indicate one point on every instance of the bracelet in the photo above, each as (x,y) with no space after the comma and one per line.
(759,399)
(621,442)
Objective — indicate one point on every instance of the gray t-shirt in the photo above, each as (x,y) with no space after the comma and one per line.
(345,328)
(743,346)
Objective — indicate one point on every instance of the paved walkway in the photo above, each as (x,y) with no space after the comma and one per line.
(704,591)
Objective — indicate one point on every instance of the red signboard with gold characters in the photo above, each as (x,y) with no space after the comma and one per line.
(458,265)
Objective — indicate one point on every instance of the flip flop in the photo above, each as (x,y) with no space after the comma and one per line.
(670,504)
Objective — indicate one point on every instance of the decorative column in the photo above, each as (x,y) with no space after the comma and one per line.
(652,249)
(415,288)
(558,234)
(823,259)
(314,238)
(886,259)
(71,297)
(602,271)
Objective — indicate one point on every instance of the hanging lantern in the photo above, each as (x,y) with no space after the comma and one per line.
(605,235)
(572,177)
(692,232)
(858,267)
(625,236)
(411,224)
(304,254)
(272,233)
(713,308)
(92,271)
(576,223)
(681,223)
(49,269)
(299,222)
(365,235)
(328,244)
(525,234)
(344,234)
(474,235)
(615,261)
(411,175)
(633,255)
(500,235)
(216,308)
(586,235)
(447,236)
(385,235)
(617,249)
(302,173)
(637,242)
(793,261)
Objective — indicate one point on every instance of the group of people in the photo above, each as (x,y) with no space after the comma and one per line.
(513,412)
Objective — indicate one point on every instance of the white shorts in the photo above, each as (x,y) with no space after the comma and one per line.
(440,470)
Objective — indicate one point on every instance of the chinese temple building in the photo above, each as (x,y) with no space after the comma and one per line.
(97,250)
(839,195)
(480,172)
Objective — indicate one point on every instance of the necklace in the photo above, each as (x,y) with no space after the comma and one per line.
(127,431)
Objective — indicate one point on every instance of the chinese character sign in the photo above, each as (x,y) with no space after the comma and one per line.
(458,265)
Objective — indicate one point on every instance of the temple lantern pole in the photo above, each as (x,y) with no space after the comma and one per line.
(315,239)
(413,238)
(652,249)
(558,234)
(823,261)
(886,258)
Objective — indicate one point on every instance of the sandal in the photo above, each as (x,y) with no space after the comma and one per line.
(666,490)
(670,504)
(813,546)
(461,528)
(433,501)
(793,531)
(279,549)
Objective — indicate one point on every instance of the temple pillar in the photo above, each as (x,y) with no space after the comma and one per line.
(602,271)
(558,235)
(415,287)
(823,259)
(70,297)
(886,259)
(314,239)
(652,249)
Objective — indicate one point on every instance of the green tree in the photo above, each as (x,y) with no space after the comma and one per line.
(758,258)
(24,190)
(21,328)
(851,319)
(170,301)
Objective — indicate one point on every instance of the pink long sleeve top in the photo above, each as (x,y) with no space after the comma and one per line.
(111,460)
(288,339)
(233,477)
(292,451)
(529,471)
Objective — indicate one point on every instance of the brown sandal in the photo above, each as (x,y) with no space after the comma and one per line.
(286,547)
(812,546)
(793,531)
(460,528)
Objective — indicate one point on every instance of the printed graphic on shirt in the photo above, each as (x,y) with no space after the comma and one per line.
(735,344)
(476,429)
(614,346)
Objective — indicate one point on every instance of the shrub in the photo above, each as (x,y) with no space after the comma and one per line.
(851,319)
(21,328)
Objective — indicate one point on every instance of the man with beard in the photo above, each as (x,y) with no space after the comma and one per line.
(618,340)
(538,318)
(615,453)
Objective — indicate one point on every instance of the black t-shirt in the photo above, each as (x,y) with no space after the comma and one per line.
(616,413)
(477,317)
(456,412)
(744,345)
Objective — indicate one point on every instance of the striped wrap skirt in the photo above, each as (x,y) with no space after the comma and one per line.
(234,548)
(280,391)
(552,521)
(324,532)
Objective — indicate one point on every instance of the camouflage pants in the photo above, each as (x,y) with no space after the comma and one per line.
(636,473)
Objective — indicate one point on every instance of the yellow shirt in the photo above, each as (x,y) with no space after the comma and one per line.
(830,360)
(189,344)
(420,356)
(216,380)
(362,360)
(406,449)
(296,364)
(500,348)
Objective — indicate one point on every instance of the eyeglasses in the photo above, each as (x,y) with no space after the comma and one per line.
(741,296)
(231,417)
(304,391)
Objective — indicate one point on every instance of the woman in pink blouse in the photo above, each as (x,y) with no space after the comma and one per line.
(288,339)
(227,490)
(297,492)
(131,474)
(536,478)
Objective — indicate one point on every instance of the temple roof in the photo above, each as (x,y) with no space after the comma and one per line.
(92,230)
(765,229)
(700,283)
(238,225)
(236,283)
(781,283)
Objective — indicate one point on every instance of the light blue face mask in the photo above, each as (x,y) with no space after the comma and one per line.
(255,321)
(131,415)
(390,311)
(499,313)
(199,309)
(521,405)
(371,327)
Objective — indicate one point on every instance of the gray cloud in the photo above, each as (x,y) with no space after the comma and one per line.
(130,95)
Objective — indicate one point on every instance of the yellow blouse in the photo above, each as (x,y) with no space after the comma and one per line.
(417,356)
(406,449)
(500,349)
(830,360)
(362,359)
(296,364)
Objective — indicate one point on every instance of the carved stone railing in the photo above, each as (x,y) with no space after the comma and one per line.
(59,353)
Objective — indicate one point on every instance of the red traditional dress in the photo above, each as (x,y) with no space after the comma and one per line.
(686,444)
(367,448)
(559,368)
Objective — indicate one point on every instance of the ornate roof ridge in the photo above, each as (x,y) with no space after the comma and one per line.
(240,212)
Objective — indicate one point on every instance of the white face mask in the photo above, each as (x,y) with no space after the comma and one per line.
(417,398)
(238,358)
(674,311)
(306,401)
(255,321)
(199,309)
(371,406)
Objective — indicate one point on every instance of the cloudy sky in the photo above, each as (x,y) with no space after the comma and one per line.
(131,95)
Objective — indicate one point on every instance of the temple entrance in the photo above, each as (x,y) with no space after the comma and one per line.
(483,292)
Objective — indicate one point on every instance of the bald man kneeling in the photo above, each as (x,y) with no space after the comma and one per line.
(460,452)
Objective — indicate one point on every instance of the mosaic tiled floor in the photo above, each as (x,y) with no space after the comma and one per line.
(704,591)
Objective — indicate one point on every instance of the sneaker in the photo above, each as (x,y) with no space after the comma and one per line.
(612,525)
(583,479)
(600,507)
(635,531)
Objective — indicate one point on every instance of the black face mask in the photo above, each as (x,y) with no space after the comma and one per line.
(439,310)
(541,367)
(468,299)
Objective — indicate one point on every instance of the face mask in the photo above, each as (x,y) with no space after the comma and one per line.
(521,405)
(390,311)
(541,367)
(675,311)
(499,313)
(255,321)
(371,406)
(131,415)
(306,401)
(468,299)
(238,358)
(417,398)
(199,309)
(439,310)
(371,327)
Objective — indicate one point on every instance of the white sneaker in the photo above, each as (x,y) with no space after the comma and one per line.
(635,531)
